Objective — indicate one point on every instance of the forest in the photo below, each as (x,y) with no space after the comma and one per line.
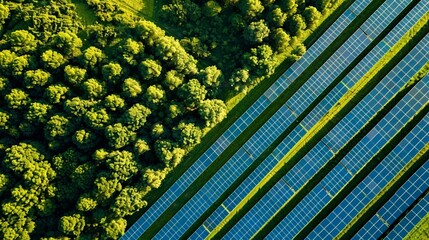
(95,114)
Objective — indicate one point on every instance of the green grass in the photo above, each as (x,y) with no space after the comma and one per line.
(85,12)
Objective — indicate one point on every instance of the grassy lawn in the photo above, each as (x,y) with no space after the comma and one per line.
(85,12)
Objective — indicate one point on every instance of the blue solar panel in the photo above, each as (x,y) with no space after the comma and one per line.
(367,189)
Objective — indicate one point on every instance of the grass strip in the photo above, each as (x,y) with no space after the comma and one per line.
(385,194)
(363,172)
(276,142)
(233,115)
(344,105)
(332,163)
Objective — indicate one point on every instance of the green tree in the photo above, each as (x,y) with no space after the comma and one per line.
(78,106)
(93,89)
(129,201)
(4,13)
(290,7)
(131,88)
(105,188)
(6,59)
(112,72)
(211,8)
(192,93)
(36,78)
(97,118)
(84,139)
(74,75)
(72,225)
(58,126)
(276,17)
(297,25)
(20,65)
(17,99)
(68,43)
(115,228)
(240,79)
(158,131)
(256,32)
(211,78)
(92,56)
(22,41)
(52,59)
(213,111)
(86,203)
(260,60)
(122,165)
(141,146)
(155,96)
(312,17)
(135,117)
(38,112)
(150,69)
(149,32)
(187,134)
(56,93)
(281,40)
(250,8)
(118,135)
(173,79)
(114,102)
(153,177)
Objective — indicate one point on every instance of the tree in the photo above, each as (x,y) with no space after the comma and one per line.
(84,175)
(256,32)
(135,117)
(38,112)
(17,99)
(97,118)
(155,96)
(6,59)
(36,78)
(211,8)
(74,75)
(56,93)
(260,60)
(112,72)
(276,17)
(213,111)
(211,77)
(114,228)
(173,79)
(78,106)
(72,225)
(68,43)
(153,177)
(240,79)
(192,93)
(20,157)
(86,203)
(281,40)
(129,201)
(131,88)
(20,64)
(52,59)
(122,164)
(141,146)
(22,41)
(312,17)
(84,139)
(290,7)
(4,13)
(93,88)
(150,69)
(297,25)
(175,110)
(187,134)
(58,126)
(131,50)
(149,32)
(250,8)
(118,135)
(92,56)
(105,188)
(114,102)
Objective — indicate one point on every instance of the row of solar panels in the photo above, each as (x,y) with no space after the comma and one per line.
(283,119)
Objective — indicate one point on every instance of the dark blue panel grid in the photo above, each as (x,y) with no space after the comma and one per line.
(396,205)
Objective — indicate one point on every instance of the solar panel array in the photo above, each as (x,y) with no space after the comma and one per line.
(285,118)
